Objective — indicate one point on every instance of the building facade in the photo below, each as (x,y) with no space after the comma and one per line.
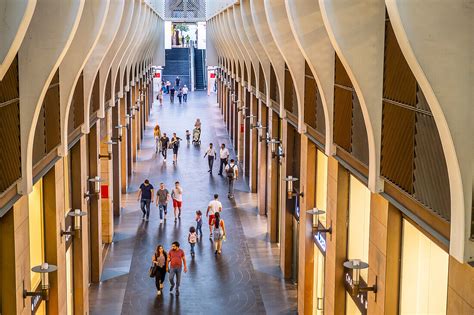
(351,123)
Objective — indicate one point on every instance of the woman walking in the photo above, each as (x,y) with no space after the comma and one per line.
(157,135)
(159,259)
(218,232)
(175,146)
(192,239)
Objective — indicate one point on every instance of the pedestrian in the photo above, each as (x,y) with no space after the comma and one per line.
(160,96)
(232,172)
(185,93)
(175,146)
(164,145)
(219,233)
(177,196)
(168,86)
(199,222)
(192,239)
(215,206)
(160,259)
(172,90)
(211,156)
(176,261)
(188,136)
(157,135)
(180,95)
(145,196)
(178,80)
(197,124)
(224,157)
(162,198)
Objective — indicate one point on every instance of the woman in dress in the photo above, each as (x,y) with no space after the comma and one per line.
(218,232)
(157,135)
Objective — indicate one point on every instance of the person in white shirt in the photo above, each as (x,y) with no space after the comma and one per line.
(213,207)
(211,156)
(177,196)
(224,156)
(185,93)
(232,172)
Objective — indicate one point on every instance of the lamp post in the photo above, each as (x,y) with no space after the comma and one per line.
(44,269)
(290,190)
(356,265)
(317,213)
(77,215)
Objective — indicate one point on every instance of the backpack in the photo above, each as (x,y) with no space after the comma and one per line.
(230,171)
(192,238)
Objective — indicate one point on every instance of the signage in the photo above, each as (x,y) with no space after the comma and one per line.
(35,303)
(360,299)
(320,241)
(157,75)
(104,191)
(213,75)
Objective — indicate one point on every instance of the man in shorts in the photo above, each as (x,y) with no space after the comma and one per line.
(177,195)
(162,198)
(213,207)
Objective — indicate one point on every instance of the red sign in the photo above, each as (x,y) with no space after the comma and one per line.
(157,75)
(213,75)
(104,191)
(241,127)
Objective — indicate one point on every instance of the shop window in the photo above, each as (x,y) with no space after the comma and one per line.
(321,185)
(35,220)
(424,274)
(359,220)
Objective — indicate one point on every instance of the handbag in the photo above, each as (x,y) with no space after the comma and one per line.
(152,271)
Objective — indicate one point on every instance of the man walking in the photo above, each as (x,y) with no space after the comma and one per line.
(177,195)
(145,196)
(164,146)
(162,198)
(211,156)
(178,80)
(172,90)
(185,93)
(176,260)
(224,156)
(232,172)
(213,207)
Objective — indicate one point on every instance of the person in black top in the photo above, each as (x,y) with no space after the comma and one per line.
(178,80)
(164,145)
(145,196)
(172,90)
(175,145)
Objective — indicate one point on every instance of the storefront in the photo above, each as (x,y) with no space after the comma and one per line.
(423,274)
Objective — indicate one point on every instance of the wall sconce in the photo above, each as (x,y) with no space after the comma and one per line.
(77,215)
(96,180)
(108,156)
(356,265)
(128,120)
(250,117)
(276,148)
(243,108)
(258,125)
(290,190)
(134,110)
(267,137)
(119,133)
(317,213)
(44,270)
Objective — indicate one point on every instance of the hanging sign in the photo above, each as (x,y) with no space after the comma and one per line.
(360,299)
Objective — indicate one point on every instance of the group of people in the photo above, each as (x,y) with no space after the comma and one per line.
(167,88)
(146,194)
(163,143)
(230,168)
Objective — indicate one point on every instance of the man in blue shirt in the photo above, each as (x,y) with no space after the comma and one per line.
(145,196)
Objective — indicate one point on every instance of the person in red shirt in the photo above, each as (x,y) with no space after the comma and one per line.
(176,260)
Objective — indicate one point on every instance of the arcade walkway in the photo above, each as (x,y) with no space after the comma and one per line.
(245,279)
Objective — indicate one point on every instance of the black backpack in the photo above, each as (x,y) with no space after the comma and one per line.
(230,171)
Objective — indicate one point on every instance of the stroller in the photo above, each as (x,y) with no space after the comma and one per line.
(196,136)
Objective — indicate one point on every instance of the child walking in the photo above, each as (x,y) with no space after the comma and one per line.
(199,222)
(192,239)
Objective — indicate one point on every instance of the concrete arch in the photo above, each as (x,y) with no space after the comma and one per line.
(265,36)
(118,6)
(15,15)
(357,30)
(223,49)
(234,46)
(159,56)
(308,29)
(442,64)
(230,54)
(139,46)
(90,26)
(285,41)
(131,61)
(48,37)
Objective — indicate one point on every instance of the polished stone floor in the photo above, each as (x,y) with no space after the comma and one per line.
(245,279)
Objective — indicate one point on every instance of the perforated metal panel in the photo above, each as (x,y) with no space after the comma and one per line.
(185,10)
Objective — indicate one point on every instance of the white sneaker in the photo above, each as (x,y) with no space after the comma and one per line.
(164,160)
(158,292)
(161,221)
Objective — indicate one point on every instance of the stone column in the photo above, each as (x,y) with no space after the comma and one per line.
(262,162)
(123,156)
(273,178)
(134,126)
(286,219)
(336,243)
(306,243)
(240,124)
(106,167)
(116,159)
(254,159)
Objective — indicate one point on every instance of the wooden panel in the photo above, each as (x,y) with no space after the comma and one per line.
(274,89)
(430,175)
(9,84)
(253,80)
(310,99)
(78,102)
(10,156)
(398,129)
(117,83)
(360,146)
(399,82)
(262,86)
(52,115)
(108,87)
(39,142)
(246,74)
(320,118)
(290,101)
(342,118)
(341,76)
(95,94)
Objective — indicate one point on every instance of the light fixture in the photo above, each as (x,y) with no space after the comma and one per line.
(356,265)
(267,137)
(96,180)
(107,156)
(45,269)
(119,133)
(290,190)
(250,117)
(317,213)
(242,108)
(77,215)
(276,148)
(258,125)
(128,120)
(134,110)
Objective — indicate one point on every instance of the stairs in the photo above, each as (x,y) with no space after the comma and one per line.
(199,68)
(177,63)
